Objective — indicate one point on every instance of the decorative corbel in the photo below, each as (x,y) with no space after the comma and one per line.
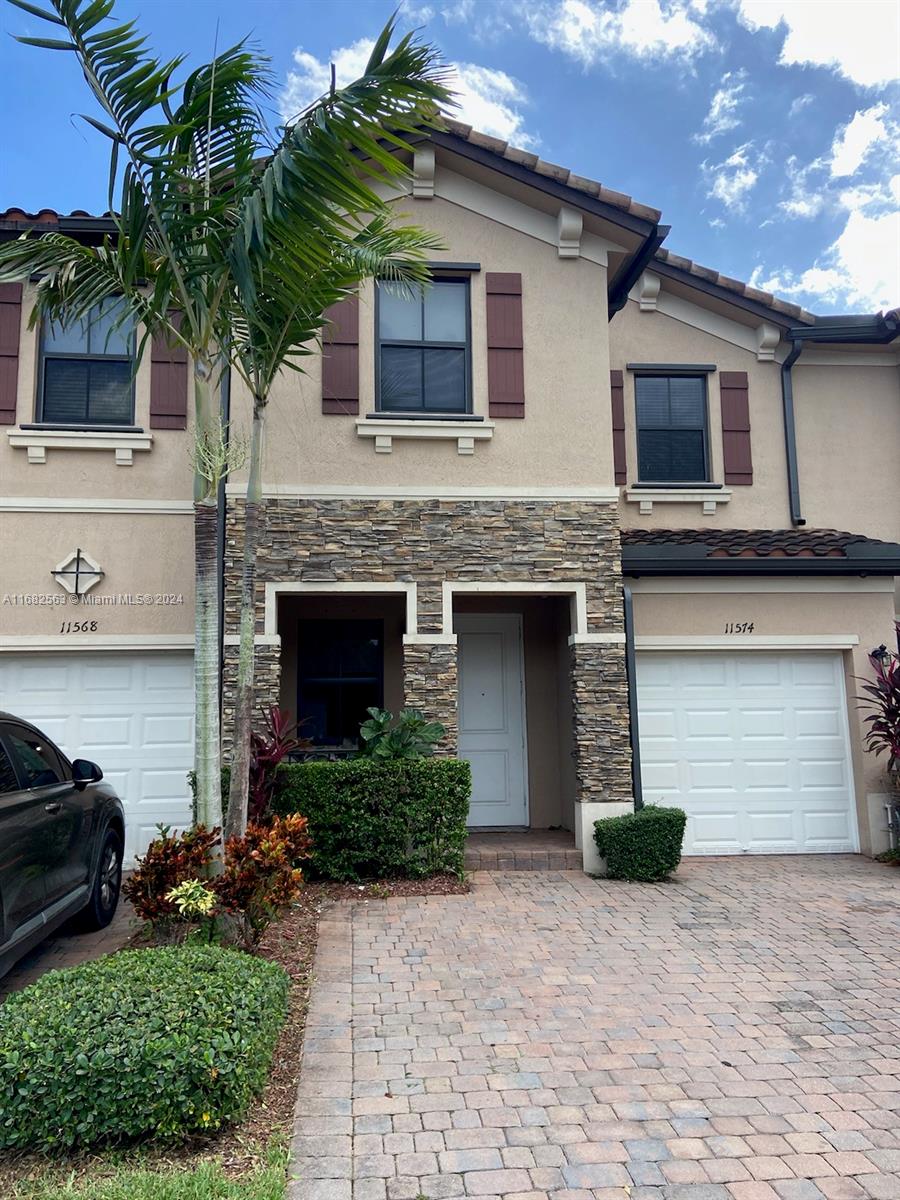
(767,338)
(568,232)
(648,291)
(423,173)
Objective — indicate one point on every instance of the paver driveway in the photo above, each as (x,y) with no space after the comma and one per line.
(729,1036)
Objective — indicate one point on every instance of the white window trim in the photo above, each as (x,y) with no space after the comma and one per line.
(38,441)
(709,498)
(464,433)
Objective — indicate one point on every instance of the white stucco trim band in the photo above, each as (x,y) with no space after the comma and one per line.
(575,590)
(464,433)
(327,587)
(675,586)
(429,639)
(339,491)
(259,639)
(38,441)
(79,504)
(110,641)
(597,639)
(749,641)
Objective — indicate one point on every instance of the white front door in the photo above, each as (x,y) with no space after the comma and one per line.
(492,716)
(753,746)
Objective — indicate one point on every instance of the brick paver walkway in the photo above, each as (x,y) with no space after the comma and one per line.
(729,1036)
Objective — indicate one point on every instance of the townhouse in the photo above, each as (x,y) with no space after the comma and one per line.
(627,527)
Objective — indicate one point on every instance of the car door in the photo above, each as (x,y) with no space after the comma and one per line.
(48,777)
(24,827)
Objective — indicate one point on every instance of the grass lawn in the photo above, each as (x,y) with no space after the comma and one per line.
(204,1182)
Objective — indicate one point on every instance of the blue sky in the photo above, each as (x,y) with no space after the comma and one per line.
(766,130)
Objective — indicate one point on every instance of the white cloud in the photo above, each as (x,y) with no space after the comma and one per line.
(488,99)
(732,179)
(807,196)
(855,140)
(859,270)
(859,40)
(588,30)
(800,102)
(722,116)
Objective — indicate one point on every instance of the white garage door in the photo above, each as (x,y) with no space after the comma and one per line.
(753,746)
(131,713)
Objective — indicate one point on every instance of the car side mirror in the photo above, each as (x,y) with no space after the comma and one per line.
(84,771)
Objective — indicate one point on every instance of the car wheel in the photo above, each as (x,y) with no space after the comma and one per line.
(101,908)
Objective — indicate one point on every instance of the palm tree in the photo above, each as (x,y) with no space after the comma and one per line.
(230,257)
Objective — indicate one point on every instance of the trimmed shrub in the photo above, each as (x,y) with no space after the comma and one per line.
(379,818)
(644,846)
(154,1043)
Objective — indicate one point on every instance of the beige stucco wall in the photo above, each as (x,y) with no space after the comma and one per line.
(848,445)
(163,472)
(565,438)
(140,554)
(847,424)
(654,337)
(778,611)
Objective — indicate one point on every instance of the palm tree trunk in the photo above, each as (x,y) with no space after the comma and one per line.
(207,735)
(236,821)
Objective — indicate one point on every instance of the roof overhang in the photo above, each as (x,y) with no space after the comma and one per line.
(696,558)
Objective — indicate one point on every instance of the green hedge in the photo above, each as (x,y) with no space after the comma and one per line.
(144,1043)
(369,818)
(643,846)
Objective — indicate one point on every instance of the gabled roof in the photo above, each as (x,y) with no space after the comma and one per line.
(755,551)
(561,175)
(708,275)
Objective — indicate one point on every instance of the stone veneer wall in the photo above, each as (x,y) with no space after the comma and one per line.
(430,684)
(429,541)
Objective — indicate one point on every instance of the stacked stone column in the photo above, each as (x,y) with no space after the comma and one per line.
(266,688)
(431,685)
(600,722)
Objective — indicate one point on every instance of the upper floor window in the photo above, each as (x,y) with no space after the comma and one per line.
(672,428)
(87,370)
(424,348)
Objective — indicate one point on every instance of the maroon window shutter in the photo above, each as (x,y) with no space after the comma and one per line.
(168,384)
(10,325)
(340,359)
(617,390)
(736,428)
(506,371)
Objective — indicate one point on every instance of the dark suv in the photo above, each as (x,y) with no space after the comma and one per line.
(61,838)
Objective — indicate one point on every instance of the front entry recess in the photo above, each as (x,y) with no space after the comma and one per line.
(492,716)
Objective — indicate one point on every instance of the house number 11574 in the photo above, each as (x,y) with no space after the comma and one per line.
(739,627)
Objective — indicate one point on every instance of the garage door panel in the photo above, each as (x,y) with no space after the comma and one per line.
(714,831)
(164,730)
(707,723)
(754,748)
(761,723)
(717,775)
(131,713)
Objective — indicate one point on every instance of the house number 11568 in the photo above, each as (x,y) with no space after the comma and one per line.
(739,627)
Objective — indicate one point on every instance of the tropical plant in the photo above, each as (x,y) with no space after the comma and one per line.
(267,750)
(233,259)
(882,697)
(410,736)
(175,891)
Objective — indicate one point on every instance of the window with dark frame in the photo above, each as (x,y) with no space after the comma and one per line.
(87,370)
(672,428)
(340,673)
(424,348)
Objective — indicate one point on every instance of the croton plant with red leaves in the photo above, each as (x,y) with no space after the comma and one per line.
(881,695)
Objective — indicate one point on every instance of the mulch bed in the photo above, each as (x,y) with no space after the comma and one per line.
(290,941)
